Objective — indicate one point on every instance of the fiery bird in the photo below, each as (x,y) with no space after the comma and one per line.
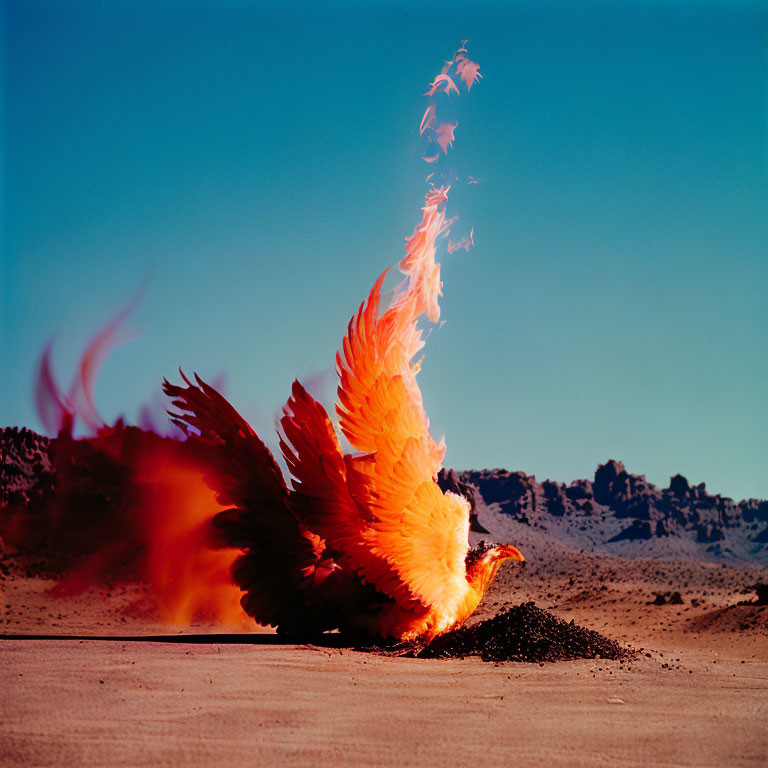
(366,542)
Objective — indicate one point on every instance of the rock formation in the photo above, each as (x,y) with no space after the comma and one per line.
(616,510)
(617,506)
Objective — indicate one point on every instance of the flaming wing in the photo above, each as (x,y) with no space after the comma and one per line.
(421,532)
(280,553)
(323,496)
(382,513)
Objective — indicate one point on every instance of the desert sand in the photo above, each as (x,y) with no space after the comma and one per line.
(99,702)
(96,679)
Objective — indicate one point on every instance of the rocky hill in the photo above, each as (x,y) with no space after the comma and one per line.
(616,512)
(622,513)
(26,473)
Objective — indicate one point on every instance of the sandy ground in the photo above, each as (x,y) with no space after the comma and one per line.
(96,703)
(97,680)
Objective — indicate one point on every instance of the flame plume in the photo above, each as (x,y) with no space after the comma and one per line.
(365,542)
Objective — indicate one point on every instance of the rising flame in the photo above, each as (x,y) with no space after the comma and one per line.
(140,499)
(189,577)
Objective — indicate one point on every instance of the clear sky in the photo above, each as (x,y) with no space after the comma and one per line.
(258,168)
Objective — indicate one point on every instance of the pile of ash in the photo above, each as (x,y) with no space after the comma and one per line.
(525,633)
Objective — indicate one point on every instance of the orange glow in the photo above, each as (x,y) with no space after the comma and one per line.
(190,579)
(129,504)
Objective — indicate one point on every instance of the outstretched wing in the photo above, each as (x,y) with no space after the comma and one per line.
(394,525)
(322,495)
(279,552)
(422,532)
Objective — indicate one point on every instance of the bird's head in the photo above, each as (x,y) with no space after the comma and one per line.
(484,561)
(505,552)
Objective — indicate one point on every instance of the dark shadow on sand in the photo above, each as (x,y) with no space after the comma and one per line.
(322,641)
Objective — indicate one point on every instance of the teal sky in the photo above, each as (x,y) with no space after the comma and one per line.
(259,167)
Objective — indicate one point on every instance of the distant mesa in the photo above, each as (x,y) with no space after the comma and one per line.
(679,486)
(605,480)
(626,515)
(26,473)
(617,511)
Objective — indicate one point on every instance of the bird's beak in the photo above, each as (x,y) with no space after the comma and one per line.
(513,553)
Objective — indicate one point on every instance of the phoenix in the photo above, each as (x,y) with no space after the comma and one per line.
(366,542)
